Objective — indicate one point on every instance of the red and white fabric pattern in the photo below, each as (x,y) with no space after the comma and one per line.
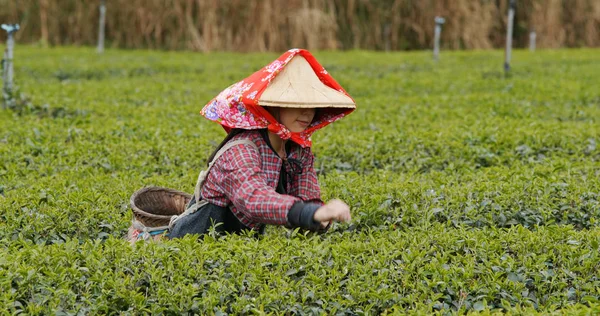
(237,106)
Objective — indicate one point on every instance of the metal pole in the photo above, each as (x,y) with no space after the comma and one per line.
(509,32)
(532,37)
(101,26)
(7,63)
(5,95)
(5,68)
(439,21)
(386,35)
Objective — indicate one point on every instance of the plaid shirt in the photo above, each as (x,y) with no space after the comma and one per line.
(246,179)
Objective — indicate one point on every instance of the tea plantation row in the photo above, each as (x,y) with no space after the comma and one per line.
(471,190)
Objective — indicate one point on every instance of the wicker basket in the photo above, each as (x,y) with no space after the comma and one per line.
(154,206)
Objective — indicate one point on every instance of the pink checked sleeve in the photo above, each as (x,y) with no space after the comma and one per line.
(305,185)
(245,186)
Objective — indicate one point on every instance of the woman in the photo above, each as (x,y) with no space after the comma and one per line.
(263,171)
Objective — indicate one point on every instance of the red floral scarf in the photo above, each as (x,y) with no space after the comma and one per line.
(237,106)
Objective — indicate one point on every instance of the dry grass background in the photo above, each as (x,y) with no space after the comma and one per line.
(276,25)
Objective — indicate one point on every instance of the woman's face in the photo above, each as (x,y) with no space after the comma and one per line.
(296,120)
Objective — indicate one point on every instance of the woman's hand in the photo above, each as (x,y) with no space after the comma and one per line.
(334,210)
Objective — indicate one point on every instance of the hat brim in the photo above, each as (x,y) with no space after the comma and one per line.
(306,105)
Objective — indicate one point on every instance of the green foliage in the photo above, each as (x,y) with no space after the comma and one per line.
(471,191)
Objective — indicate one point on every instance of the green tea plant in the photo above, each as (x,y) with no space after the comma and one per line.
(471,191)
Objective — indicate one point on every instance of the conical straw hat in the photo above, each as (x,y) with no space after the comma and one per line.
(297,86)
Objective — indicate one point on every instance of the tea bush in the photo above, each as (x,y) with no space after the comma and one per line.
(471,190)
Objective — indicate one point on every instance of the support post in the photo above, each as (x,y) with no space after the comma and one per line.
(387,31)
(509,34)
(439,21)
(532,37)
(7,62)
(101,26)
